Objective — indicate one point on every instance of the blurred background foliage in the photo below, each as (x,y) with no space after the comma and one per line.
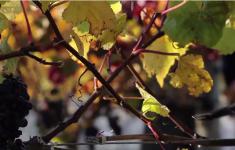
(56,92)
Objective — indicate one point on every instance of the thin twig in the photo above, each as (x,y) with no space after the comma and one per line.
(183,128)
(152,39)
(42,61)
(27,49)
(21,52)
(100,70)
(174,7)
(149,17)
(30,36)
(145,31)
(155,134)
(11,55)
(126,98)
(157,52)
(228,110)
(83,73)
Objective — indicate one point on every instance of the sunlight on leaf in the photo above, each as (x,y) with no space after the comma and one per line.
(191,73)
(151,107)
(98,13)
(159,65)
(81,39)
(116,6)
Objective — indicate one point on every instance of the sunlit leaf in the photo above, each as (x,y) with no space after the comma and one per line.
(98,13)
(159,65)
(151,107)
(82,38)
(191,73)
(116,6)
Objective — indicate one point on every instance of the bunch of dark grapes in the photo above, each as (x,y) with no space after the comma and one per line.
(14,107)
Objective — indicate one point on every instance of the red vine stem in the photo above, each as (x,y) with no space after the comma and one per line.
(145,31)
(30,37)
(174,7)
(155,52)
(155,134)
(100,70)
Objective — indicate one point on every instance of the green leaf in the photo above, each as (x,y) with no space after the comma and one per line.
(99,14)
(9,65)
(83,28)
(108,37)
(4,23)
(10,9)
(151,107)
(81,39)
(105,27)
(226,44)
(197,22)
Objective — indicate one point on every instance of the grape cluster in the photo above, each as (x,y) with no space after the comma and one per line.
(14,106)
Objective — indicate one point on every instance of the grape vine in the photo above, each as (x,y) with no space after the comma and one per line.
(161,37)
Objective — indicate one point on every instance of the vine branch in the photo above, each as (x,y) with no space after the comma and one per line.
(25,51)
(42,61)
(94,71)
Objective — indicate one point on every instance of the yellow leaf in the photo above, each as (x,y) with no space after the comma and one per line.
(191,73)
(159,65)
(98,13)
(116,6)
